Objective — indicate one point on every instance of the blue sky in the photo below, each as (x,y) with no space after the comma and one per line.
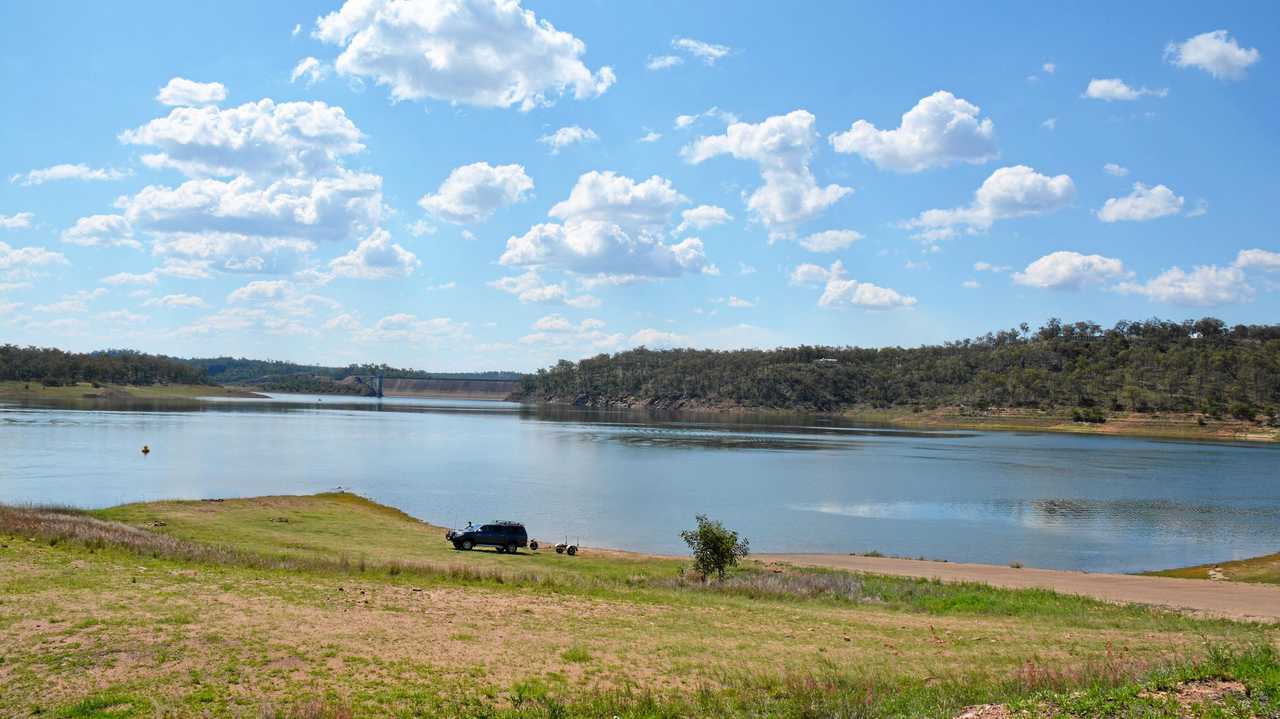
(476,186)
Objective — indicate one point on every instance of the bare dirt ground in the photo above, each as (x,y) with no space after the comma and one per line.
(1233,600)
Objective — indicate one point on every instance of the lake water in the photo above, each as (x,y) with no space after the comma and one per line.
(632,481)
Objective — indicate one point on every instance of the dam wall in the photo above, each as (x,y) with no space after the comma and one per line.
(491,389)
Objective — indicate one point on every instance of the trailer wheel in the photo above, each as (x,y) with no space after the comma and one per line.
(573,550)
(559,549)
(533,545)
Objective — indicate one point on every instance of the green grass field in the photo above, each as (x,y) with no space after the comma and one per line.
(331,605)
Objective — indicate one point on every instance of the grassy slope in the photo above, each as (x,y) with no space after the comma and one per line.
(364,607)
(34,391)
(1263,570)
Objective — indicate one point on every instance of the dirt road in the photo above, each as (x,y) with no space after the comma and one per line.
(1235,600)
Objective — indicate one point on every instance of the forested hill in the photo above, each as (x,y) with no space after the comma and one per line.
(56,367)
(276,376)
(1154,365)
(237,370)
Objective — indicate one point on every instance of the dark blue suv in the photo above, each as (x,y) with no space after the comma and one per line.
(504,536)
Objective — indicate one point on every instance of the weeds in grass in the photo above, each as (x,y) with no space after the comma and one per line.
(576,655)
(1113,688)
(310,709)
(104,705)
(792,584)
(924,595)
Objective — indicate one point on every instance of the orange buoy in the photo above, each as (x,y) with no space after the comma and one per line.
(146,449)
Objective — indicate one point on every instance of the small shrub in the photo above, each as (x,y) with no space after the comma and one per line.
(576,655)
(1243,410)
(715,548)
(1089,415)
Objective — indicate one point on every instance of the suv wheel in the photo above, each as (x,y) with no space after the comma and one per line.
(467,544)
(513,548)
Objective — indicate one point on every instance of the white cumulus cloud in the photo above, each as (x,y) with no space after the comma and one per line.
(1115,170)
(1113,89)
(78,171)
(709,53)
(410,329)
(649,337)
(1204,286)
(489,53)
(557,331)
(244,219)
(101,231)
(531,288)
(310,70)
(20,221)
(782,145)
(566,136)
(472,193)
(1065,270)
(183,92)
(258,138)
(1217,53)
(1258,259)
(1017,191)
(131,278)
(829,240)
(840,291)
(74,302)
(376,257)
(612,226)
(662,62)
(26,258)
(1144,203)
(702,217)
(940,130)
(178,301)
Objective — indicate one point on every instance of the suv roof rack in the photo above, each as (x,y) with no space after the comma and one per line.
(508,523)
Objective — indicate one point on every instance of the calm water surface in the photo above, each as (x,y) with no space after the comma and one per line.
(621,480)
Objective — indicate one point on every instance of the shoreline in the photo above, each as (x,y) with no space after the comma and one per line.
(34,391)
(1188,426)
(1207,597)
(1226,599)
